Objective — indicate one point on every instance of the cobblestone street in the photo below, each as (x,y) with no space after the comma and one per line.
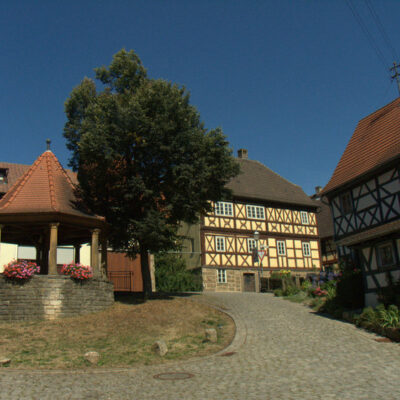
(281,351)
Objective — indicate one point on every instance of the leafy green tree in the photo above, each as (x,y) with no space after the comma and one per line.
(144,159)
(173,276)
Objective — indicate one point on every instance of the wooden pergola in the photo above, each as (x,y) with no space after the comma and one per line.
(41,210)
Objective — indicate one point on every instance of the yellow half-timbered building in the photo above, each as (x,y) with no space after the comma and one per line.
(266,213)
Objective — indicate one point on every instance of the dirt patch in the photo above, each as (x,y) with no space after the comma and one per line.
(123,335)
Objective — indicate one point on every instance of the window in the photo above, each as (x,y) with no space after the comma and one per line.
(223,208)
(3,175)
(251,244)
(346,203)
(280,244)
(255,212)
(306,250)
(304,217)
(220,243)
(385,255)
(221,275)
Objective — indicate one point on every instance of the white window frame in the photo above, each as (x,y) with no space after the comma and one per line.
(255,212)
(251,246)
(221,275)
(223,208)
(304,217)
(306,249)
(220,244)
(281,247)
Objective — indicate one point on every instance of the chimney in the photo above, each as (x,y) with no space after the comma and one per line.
(318,189)
(243,153)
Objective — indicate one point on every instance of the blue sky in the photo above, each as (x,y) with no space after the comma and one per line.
(286,79)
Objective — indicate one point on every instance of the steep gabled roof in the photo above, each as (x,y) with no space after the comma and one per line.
(256,181)
(44,187)
(375,142)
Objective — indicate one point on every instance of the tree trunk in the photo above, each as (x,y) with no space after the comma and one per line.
(145,267)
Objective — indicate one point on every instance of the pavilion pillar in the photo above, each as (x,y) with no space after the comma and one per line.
(94,253)
(104,256)
(1,226)
(77,248)
(53,249)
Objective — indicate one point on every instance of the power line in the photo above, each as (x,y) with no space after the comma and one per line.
(381,28)
(396,75)
(368,34)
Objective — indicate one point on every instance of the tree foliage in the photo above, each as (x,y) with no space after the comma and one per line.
(173,276)
(145,161)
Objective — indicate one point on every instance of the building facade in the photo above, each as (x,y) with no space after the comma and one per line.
(267,215)
(364,197)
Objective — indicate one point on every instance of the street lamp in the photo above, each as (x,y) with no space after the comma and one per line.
(256,236)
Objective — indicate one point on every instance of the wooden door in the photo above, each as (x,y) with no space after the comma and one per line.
(249,283)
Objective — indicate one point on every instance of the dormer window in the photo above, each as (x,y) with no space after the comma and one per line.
(3,175)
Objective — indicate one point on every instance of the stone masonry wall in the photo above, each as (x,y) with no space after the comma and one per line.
(50,297)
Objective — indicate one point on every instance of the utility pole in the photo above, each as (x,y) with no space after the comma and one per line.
(396,75)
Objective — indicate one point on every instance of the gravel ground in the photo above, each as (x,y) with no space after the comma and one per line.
(281,350)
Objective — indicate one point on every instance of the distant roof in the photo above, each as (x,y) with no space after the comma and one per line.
(43,187)
(15,171)
(256,181)
(13,174)
(375,142)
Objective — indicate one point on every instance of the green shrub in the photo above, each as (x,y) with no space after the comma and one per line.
(306,286)
(291,290)
(278,292)
(317,303)
(368,319)
(172,275)
(389,318)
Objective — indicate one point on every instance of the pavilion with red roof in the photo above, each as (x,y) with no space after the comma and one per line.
(41,210)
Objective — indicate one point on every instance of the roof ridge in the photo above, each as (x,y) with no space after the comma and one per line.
(390,106)
(53,200)
(19,184)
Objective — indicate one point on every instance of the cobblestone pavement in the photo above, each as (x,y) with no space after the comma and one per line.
(281,351)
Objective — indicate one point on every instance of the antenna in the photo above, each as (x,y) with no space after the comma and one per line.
(396,74)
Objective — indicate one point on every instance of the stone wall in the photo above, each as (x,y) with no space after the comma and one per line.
(50,297)
(233,278)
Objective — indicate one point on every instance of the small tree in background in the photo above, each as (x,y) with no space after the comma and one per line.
(172,275)
(144,159)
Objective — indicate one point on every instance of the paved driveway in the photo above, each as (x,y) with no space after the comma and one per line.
(282,351)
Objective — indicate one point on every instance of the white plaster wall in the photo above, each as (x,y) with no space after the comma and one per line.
(85,254)
(8,252)
(371,300)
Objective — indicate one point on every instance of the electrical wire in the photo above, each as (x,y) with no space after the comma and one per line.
(368,34)
(381,28)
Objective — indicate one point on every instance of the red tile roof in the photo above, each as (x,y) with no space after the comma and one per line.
(44,187)
(375,141)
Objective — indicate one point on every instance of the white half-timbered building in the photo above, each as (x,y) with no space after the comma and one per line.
(363,193)
(263,202)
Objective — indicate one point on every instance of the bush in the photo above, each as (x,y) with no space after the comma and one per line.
(77,271)
(172,275)
(278,292)
(20,270)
